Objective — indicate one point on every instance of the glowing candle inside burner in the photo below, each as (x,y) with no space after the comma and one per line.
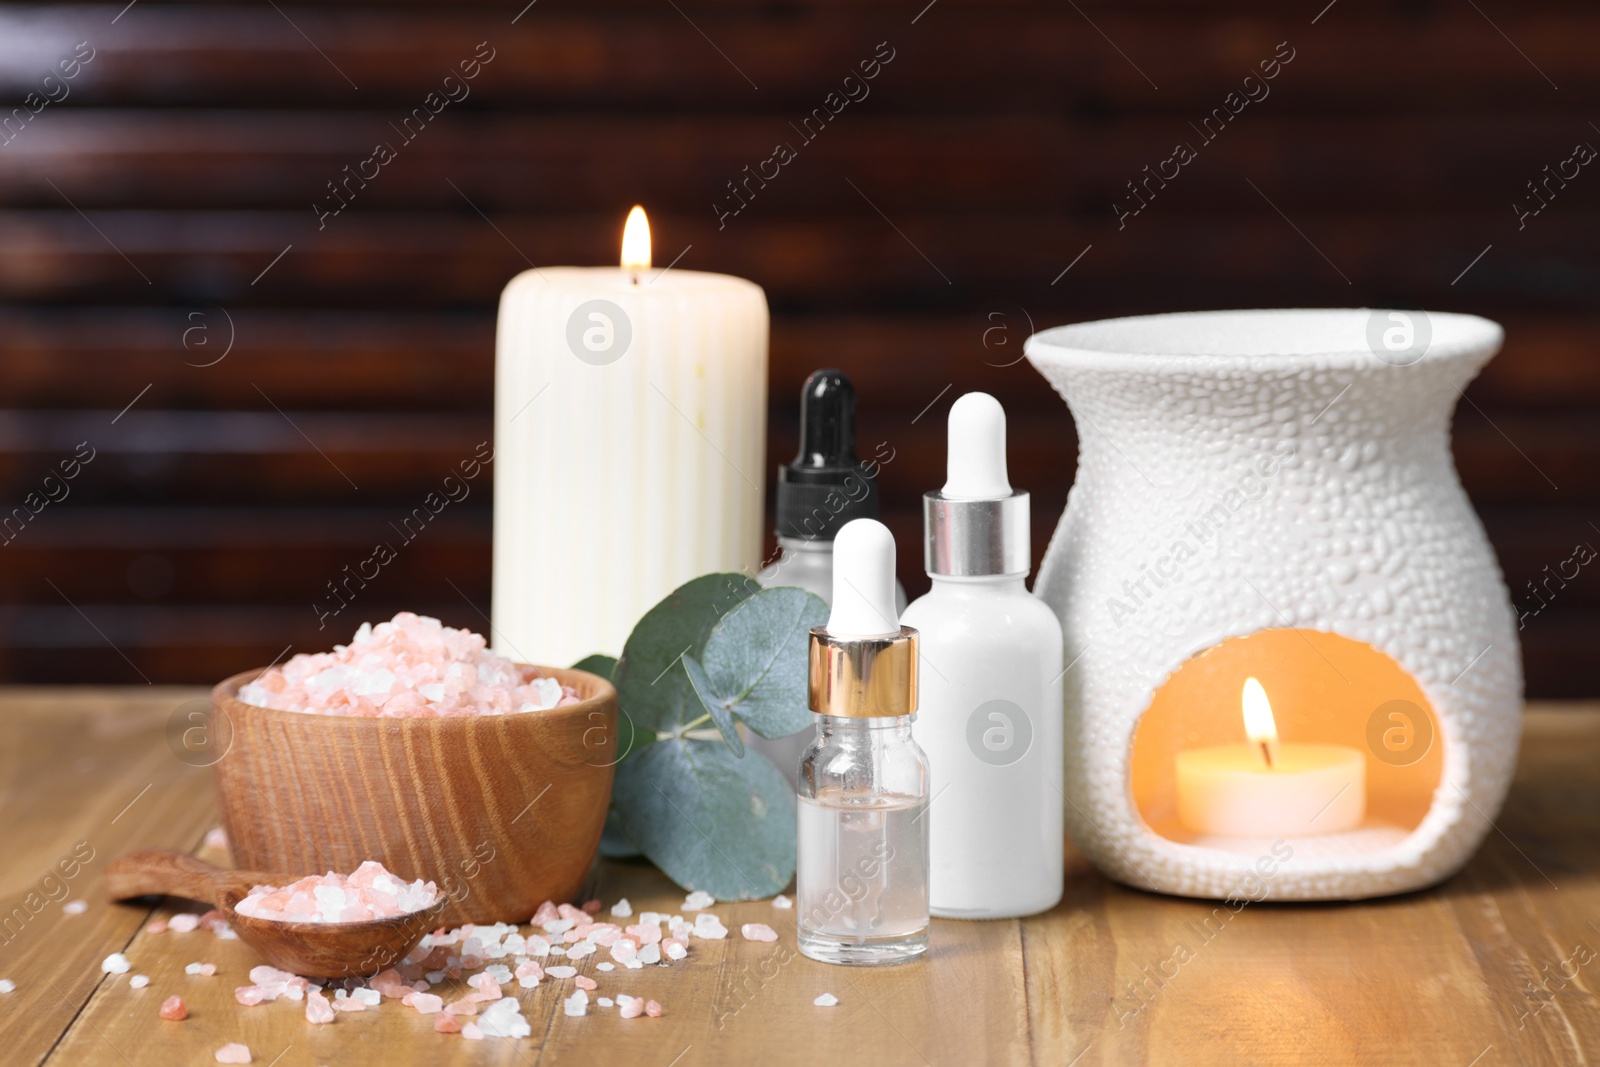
(1270,789)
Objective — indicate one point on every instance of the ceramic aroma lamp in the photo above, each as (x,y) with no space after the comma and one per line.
(1269,495)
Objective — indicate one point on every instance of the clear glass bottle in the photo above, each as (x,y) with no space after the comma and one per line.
(862,884)
(862,865)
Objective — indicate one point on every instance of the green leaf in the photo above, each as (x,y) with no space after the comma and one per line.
(652,686)
(598,663)
(755,662)
(709,819)
(718,712)
(614,843)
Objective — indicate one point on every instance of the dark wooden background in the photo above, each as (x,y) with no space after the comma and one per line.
(914,243)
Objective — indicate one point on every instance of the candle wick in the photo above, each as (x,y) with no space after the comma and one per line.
(1266,754)
(635,277)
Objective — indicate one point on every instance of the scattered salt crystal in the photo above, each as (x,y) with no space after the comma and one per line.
(547,911)
(634,965)
(651,953)
(139,981)
(426,1003)
(233,1052)
(411,666)
(781,901)
(558,926)
(653,1009)
(537,946)
(592,907)
(605,966)
(561,972)
(371,997)
(464,1006)
(623,951)
(156,926)
(674,949)
(500,973)
(173,1010)
(447,1024)
(203,969)
(75,907)
(318,1010)
(116,963)
(183,922)
(504,1018)
(604,1002)
(758,932)
(7,985)
(580,950)
(632,1007)
(827,1000)
(577,1004)
(710,927)
(471,1032)
(216,837)
(699,900)
(585,982)
(622,909)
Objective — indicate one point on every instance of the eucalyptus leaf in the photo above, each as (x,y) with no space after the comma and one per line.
(709,819)
(614,843)
(719,712)
(598,663)
(755,662)
(652,686)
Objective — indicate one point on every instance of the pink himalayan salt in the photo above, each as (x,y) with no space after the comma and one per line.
(425,1003)
(632,1007)
(464,1006)
(410,667)
(645,933)
(232,1052)
(592,907)
(183,922)
(487,988)
(653,1009)
(371,892)
(758,932)
(391,985)
(318,1010)
(447,1024)
(157,926)
(471,1032)
(530,969)
(173,1010)
(547,913)
(349,1004)
(585,982)
(624,950)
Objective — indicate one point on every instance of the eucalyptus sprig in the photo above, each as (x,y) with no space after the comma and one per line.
(717,652)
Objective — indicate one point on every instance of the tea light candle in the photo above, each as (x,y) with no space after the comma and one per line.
(1269,789)
(630,445)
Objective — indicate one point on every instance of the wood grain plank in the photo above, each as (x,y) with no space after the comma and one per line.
(1437,977)
(247,54)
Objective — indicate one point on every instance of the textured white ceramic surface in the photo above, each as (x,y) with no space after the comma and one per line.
(1361,528)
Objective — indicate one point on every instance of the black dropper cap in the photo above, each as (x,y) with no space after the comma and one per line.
(825,486)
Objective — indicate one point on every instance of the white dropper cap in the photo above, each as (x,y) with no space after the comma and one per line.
(863,581)
(976,466)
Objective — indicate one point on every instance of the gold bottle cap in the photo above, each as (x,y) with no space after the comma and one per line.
(864,677)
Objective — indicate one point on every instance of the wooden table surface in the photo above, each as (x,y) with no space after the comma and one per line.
(1493,967)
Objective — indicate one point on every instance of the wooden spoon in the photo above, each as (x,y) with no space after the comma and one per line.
(312,950)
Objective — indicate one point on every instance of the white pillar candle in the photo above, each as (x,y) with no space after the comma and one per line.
(1270,789)
(630,446)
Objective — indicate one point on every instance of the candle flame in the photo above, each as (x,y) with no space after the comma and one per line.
(636,241)
(1259,724)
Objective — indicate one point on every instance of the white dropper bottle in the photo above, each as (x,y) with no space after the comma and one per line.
(991,707)
(863,787)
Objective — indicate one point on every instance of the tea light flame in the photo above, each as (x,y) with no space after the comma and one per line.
(636,241)
(1259,724)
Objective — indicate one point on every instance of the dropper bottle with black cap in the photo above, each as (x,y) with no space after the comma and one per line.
(821,489)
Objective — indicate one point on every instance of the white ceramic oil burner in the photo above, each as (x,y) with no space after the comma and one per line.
(1293,664)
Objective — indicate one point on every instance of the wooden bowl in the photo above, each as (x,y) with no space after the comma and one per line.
(502,811)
